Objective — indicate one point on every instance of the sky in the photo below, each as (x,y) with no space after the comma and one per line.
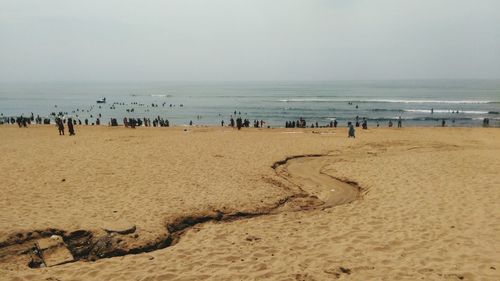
(252,40)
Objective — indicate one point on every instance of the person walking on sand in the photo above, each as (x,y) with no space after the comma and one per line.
(351,131)
(60,126)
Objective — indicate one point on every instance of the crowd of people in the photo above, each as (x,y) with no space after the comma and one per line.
(63,119)
(300,123)
(134,122)
(486,122)
(243,123)
(22,121)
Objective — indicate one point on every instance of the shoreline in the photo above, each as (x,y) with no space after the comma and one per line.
(246,128)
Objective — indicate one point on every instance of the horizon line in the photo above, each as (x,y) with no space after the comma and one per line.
(249,81)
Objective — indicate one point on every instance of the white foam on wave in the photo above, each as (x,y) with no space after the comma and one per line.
(430,101)
(386,101)
(311,100)
(445,111)
(482,118)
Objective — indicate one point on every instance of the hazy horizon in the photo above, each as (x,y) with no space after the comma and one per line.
(244,41)
(257,81)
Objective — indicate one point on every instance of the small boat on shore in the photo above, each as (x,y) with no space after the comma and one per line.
(103,100)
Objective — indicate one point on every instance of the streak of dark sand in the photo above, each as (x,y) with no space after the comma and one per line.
(312,188)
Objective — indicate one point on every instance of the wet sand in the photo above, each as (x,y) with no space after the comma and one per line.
(221,204)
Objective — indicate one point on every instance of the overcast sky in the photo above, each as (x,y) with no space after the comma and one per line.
(61,40)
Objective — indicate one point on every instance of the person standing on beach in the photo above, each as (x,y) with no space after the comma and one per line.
(71,129)
(364,124)
(351,131)
(400,122)
(239,123)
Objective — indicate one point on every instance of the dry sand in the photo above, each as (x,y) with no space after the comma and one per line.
(428,207)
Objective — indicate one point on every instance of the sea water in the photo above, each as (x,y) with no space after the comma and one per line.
(417,102)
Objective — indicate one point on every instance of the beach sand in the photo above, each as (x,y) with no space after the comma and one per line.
(222,204)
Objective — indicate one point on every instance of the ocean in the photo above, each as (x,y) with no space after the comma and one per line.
(459,102)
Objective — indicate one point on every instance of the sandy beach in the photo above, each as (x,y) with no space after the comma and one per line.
(208,203)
